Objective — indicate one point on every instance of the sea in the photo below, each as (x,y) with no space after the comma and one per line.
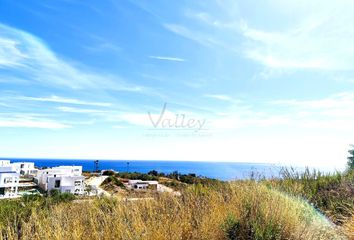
(217,170)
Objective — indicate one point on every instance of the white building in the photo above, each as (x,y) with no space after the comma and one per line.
(9,182)
(143,185)
(23,168)
(63,178)
(10,176)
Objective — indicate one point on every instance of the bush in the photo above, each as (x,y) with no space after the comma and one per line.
(56,196)
(136,175)
(108,173)
(231,227)
(31,197)
(332,194)
(113,180)
(54,192)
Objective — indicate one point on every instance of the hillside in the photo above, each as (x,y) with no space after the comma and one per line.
(310,206)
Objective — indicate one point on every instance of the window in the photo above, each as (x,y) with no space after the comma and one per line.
(22,165)
(8,180)
(57,184)
(77,183)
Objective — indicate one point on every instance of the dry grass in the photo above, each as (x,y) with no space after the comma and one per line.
(240,210)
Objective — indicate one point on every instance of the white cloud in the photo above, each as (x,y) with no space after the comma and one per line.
(80,110)
(31,122)
(32,59)
(334,112)
(219,97)
(10,55)
(329,114)
(285,35)
(339,101)
(175,59)
(318,36)
(58,99)
(247,119)
(200,37)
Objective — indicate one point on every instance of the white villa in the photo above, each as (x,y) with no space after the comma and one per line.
(10,174)
(63,178)
(9,181)
(23,168)
(143,185)
(20,174)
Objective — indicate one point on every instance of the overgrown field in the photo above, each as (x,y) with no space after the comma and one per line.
(306,206)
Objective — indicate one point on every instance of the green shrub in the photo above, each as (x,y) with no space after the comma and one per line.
(54,192)
(113,180)
(31,198)
(331,193)
(231,227)
(56,196)
(108,173)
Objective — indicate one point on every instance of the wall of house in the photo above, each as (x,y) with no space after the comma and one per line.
(72,184)
(24,168)
(9,182)
(4,162)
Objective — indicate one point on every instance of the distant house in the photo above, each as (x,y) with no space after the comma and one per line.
(9,182)
(64,178)
(143,185)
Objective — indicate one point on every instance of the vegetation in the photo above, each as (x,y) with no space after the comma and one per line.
(351,159)
(153,175)
(238,210)
(332,194)
(307,205)
(189,178)
(269,209)
(136,175)
(112,183)
(108,173)
(57,196)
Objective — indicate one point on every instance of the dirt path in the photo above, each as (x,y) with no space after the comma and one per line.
(94,183)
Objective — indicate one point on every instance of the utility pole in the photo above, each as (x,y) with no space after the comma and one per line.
(96,165)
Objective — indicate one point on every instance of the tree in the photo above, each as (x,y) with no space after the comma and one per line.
(153,172)
(108,173)
(351,158)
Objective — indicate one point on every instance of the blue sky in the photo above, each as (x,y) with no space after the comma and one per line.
(273,80)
